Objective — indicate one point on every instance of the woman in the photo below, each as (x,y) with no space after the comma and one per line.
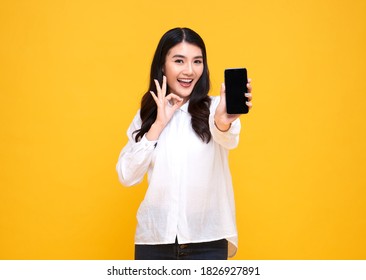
(180,137)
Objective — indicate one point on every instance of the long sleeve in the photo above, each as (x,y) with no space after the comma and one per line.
(135,157)
(228,139)
(189,194)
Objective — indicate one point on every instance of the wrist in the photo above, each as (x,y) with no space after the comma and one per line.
(154,131)
(223,127)
(158,125)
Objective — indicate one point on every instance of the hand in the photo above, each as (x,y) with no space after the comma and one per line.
(166,104)
(223,120)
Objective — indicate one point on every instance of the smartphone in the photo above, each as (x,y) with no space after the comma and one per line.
(236,80)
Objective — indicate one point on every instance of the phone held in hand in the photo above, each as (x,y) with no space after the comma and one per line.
(236,80)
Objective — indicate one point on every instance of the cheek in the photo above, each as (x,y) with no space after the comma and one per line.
(199,72)
(170,71)
(170,79)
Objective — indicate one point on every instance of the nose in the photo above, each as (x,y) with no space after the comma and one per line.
(188,70)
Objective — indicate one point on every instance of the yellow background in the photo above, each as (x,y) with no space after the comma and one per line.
(72,74)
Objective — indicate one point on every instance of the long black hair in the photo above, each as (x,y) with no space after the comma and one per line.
(199,101)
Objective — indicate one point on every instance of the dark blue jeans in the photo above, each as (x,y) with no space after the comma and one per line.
(214,250)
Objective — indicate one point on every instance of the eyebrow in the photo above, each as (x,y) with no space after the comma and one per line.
(182,56)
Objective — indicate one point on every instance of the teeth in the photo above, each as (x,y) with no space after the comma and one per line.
(185,80)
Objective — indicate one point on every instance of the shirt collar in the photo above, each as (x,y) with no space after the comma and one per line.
(184,107)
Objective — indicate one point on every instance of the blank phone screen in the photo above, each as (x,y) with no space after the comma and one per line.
(236,86)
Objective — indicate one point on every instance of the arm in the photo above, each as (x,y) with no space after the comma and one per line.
(225,128)
(228,138)
(135,157)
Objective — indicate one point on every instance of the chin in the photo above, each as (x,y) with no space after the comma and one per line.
(185,95)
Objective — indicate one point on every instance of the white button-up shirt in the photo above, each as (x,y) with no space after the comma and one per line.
(190,194)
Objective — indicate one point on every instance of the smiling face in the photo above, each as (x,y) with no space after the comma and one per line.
(183,68)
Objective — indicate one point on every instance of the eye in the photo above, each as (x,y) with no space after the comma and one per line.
(198,61)
(179,61)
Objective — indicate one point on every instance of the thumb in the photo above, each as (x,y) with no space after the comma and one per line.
(222,95)
(222,90)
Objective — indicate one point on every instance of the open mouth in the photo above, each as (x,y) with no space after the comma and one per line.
(185,82)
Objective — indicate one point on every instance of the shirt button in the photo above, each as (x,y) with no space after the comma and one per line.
(183,246)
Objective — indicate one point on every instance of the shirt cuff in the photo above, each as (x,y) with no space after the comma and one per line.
(147,144)
(233,129)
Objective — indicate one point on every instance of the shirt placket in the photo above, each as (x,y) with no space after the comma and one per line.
(181,136)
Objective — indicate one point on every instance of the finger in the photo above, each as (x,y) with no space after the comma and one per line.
(222,94)
(154,97)
(158,89)
(222,90)
(174,99)
(249,86)
(222,104)
(163,89)
(249,104)
(174,96)
(248,96)
(177,104)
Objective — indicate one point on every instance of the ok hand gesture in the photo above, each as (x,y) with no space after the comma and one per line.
(167,105)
